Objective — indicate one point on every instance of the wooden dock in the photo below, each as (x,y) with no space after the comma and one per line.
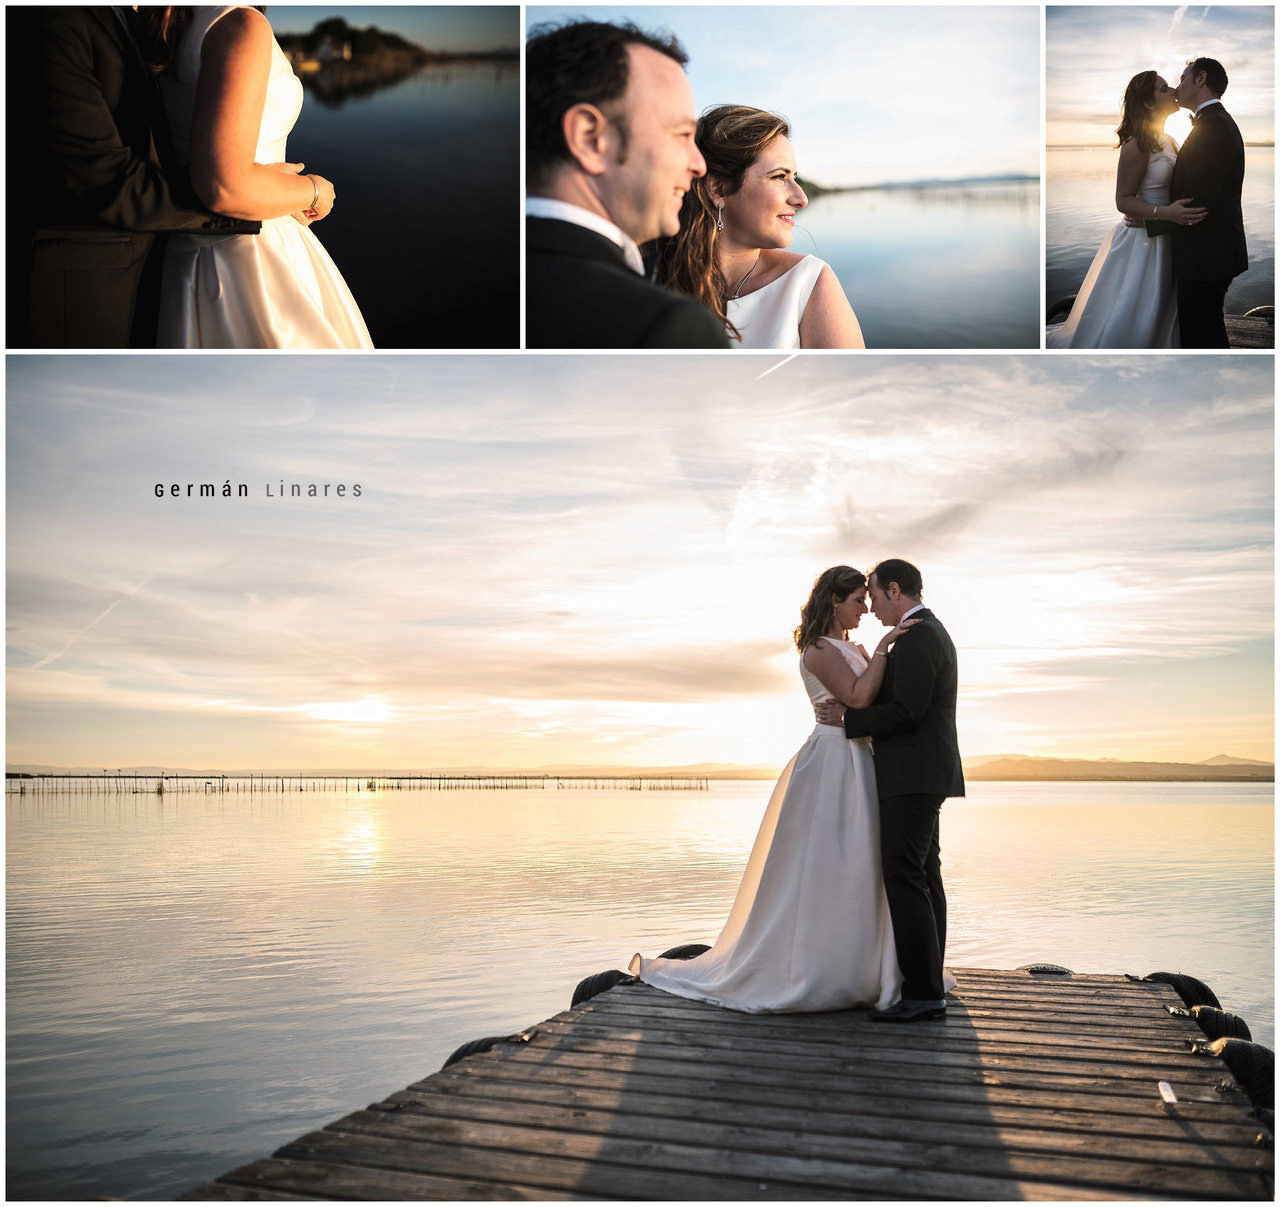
(1033,1087)
(1246,331)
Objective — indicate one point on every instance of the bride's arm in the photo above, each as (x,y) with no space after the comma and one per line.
(1129,173)
(235,61)
(828,320)
(837,675)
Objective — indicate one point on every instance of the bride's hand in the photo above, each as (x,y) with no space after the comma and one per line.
(325,197)
(1184,212)
(293,169)
(893,634)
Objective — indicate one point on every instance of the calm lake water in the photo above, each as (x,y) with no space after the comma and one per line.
(1080,186)
(426,226)
(194,980)
(954,267)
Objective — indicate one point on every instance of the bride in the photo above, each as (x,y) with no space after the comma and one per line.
(1129,298)
(809,928)
(231,98)
(735,226)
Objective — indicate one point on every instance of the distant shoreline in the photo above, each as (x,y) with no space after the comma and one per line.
(1233,775)
(813,189)
(1096,146)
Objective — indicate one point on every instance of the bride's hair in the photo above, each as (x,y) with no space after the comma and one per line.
(159,30)
(837,583)
(1136,113)
(731,138)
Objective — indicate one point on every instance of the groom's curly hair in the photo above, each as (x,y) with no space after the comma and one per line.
(831,586)
(576,63)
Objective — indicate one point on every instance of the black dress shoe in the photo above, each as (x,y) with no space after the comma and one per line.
(909,1011)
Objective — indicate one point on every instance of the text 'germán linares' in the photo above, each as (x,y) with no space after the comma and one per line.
(280,490)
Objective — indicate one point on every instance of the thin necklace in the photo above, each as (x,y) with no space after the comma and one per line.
(741,283)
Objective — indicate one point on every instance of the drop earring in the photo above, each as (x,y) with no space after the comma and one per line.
(719,215)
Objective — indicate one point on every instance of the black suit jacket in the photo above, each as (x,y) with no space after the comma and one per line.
(913,719)
(1210,169)
(88,185)
(579,293)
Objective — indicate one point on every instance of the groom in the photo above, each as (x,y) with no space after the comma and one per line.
(609,126)
(1210,169)
(91,182)
(917,758)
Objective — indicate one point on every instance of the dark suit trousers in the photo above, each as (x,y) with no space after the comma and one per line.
(1200,321)
(912,867)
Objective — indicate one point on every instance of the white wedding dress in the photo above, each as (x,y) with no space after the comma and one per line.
(770,317)
(1129,299)
(276,289)
(809,928)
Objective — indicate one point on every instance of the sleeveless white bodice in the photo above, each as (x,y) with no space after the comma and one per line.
(770,317)
(178,87)
(1159,174)
(813,685)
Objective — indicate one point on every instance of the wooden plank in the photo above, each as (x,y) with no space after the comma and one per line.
(899,1168)
(588,1177)
(767,1128)
(924,1047)
(274,1178)
(656,1093)
(1154,1035)
(821,1077)
(954,1041)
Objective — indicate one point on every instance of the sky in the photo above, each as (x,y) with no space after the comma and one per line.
(458,27)
(1091,54)
(873,94)
(599,560)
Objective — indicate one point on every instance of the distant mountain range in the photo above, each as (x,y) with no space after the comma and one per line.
(814,190)
(1026,767)
(1222,767)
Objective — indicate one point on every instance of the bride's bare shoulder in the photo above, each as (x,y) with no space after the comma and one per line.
(240,26)
(781,260)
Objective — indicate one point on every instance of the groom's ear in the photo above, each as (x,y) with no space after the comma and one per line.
(589,136)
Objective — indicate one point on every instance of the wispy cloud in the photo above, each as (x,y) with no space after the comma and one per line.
(554,557)
(1093,51)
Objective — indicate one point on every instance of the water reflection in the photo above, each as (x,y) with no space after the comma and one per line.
(943,267)
(218,974)
(426,229)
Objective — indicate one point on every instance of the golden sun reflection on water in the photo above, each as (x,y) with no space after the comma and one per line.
(360,843)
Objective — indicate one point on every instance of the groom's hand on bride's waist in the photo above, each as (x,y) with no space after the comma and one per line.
(829,712)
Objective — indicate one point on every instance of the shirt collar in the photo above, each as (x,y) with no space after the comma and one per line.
(564,211)
(918,608)
(1213,100)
